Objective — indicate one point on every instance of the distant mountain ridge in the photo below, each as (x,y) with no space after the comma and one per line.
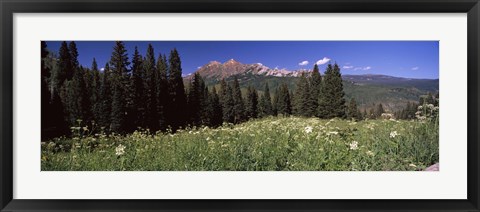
(215,69)
(367,89)
(232,67)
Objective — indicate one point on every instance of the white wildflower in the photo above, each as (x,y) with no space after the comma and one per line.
(393,134)
(354,145)
(332,133)
(308,129)
(120,150)
(370,153)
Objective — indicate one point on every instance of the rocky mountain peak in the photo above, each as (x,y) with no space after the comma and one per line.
(217,70)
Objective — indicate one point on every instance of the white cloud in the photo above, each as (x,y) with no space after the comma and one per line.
(415,68)
(366,68)
(347,67)
(102,69)
(199,67)
(323,61)
(303,63)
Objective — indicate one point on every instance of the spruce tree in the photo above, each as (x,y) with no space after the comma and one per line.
(105,98)
(251,103)
(72,48)
(119,63)
(84,94)
(162,91)
(223,90)
(45,94)
(292,101)
(265,105)
(315,89)
(239,107)
(138,111)
(284,106)
(95,91)
(178,100)
(64,66)
(331,102)
(304,104)
(205,118)
(228,105)
(149,66)
(52,111)
(275,102)
(215,110)
(195,99)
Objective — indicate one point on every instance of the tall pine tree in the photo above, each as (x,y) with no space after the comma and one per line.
(215,109)
(64,66)
(52,111)
(162,90)
(238,105)
(304,104)
(105,98)
(284,106)
(178,100)
(149,66)
(138,111)
(195,99)
(95,91)
(315,88)
(119,63)
(251,103)
(331,102)
(265,105)
(228,105)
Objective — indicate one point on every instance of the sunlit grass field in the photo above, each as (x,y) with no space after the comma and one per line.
(269,144)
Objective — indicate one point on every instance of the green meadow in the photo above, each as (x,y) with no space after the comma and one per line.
(267,144)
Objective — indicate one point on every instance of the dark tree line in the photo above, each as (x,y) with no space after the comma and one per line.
(409,111)
(148,92)
(144,92)
(323,96)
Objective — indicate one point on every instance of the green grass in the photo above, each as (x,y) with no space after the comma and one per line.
(269,144)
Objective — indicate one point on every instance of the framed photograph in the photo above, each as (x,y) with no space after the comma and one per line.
(239,105)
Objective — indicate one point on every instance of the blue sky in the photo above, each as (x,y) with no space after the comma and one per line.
(412,59)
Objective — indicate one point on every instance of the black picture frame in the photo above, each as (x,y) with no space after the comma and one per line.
(9,7)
